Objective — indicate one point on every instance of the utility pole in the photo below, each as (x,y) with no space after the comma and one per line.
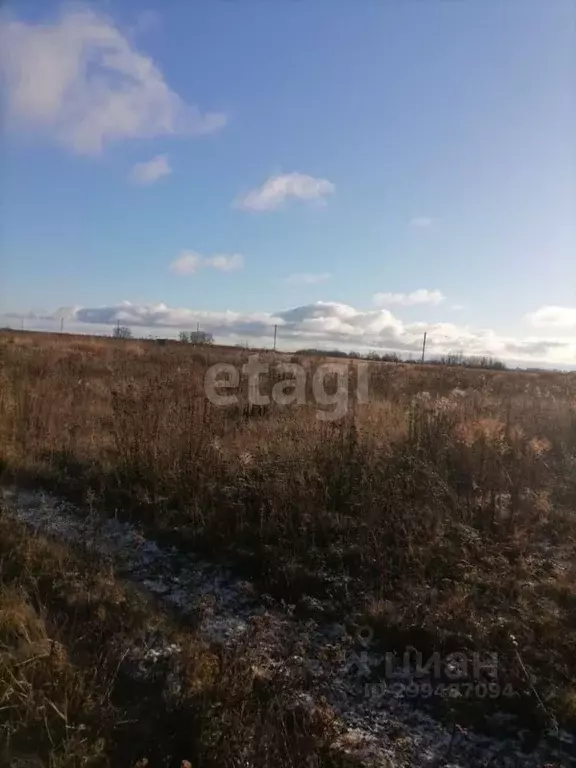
(197,327)
(61,325)
(22,322)
(275,332)
(424,346)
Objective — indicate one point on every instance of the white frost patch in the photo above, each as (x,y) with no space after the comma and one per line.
(387,733)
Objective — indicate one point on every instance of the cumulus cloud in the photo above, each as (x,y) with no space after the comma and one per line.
(190,262)
(187,263)
(278,189)
(146,21)
(80,80)
(554,317)
(148,172)
(328,325)
(308,278)
(225,263)
(421,221)
(421,296)
(160,316)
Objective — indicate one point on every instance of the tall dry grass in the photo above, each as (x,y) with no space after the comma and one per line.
(442,512)
(72,696)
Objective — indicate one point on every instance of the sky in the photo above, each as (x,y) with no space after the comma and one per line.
(356,173)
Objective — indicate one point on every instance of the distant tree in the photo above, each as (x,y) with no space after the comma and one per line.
(452,358)
(388,357)
(471,361)
(201,337)
(322,352)
(122,332)
(196,337)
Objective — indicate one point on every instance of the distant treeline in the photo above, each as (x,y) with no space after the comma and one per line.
(470,361)
(459,359)
(387,357)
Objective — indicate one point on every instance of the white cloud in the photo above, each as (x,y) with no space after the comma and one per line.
(308,278)
(148,172)
(421,296)
(146,21)
(224,263)
(554,317)
(277,189)
(187,263)
(190,262)
(80,80)
(328,325)
(421,221)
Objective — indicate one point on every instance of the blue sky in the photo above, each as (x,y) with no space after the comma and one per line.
(411,165)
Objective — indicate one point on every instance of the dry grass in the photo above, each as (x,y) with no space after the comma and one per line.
(70,694)
(447,502)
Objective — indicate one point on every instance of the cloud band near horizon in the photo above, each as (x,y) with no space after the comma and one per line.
(323,324)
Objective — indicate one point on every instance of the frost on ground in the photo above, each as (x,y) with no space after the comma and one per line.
(388,731)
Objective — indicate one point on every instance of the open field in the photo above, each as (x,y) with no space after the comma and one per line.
(439,516)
